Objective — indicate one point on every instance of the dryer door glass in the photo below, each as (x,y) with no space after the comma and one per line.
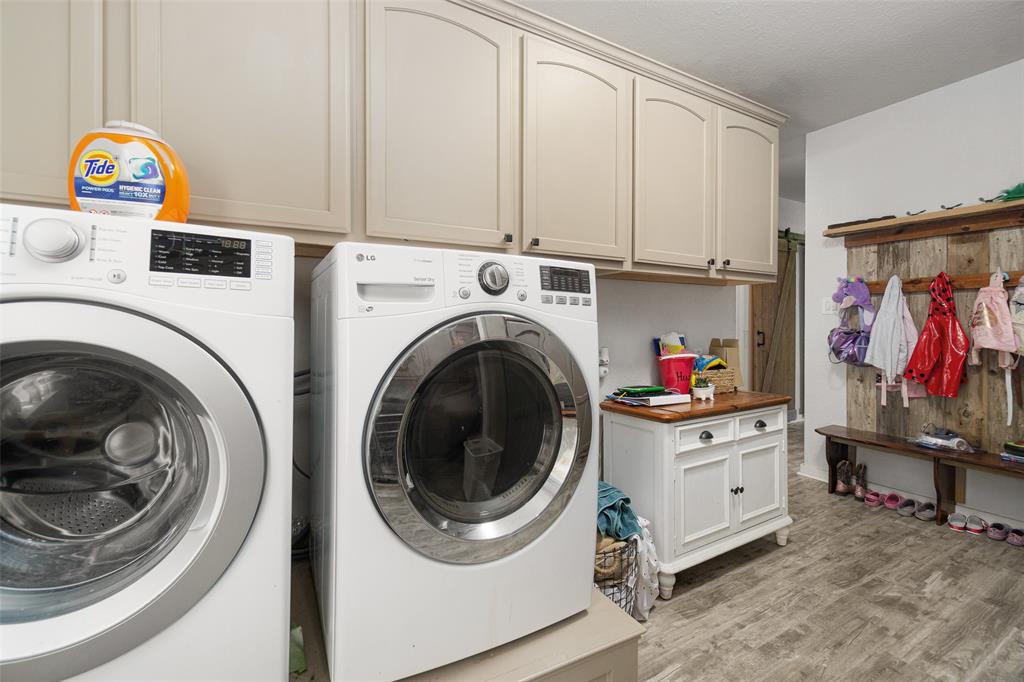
(478,437)
(482,434)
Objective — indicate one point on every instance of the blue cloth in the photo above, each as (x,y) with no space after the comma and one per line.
(615,518)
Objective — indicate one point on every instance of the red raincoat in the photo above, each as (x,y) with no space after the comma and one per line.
(940,357)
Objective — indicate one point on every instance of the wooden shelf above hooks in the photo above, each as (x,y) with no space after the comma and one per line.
(980,218)
(919,284)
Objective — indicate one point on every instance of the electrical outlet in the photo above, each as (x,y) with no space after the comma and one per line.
(829,307)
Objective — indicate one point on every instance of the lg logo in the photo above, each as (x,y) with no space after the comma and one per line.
(360,257)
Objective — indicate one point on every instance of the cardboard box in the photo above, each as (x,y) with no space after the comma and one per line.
(728,350)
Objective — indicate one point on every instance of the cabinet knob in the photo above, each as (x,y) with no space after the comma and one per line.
(711,261)
(759,424)
(725,263)
(734,491)
(706,435)
(508,237)
(535,241)
(740,489)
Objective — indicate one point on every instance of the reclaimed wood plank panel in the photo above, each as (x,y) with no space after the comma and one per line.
(861,396)
(892,259)
(925,258)
(966,413)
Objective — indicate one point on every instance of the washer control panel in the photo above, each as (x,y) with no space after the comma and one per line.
(172,261)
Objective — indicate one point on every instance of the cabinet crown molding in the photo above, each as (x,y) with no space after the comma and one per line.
(542,25)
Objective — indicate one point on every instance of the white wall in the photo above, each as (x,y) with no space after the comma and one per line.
(630,314)
(791,215)
(949,145)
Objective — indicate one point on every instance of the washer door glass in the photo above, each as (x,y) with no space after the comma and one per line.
(478,437)
(102,468)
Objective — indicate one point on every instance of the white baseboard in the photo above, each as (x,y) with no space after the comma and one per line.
(990,517)
(813,473)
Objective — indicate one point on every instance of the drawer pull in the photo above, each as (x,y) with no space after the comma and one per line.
(706,435)
(740,489)
(760,425)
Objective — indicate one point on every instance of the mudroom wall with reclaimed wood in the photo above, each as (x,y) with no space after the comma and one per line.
(979,411)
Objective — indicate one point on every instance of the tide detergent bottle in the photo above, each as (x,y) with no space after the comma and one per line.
(125,169)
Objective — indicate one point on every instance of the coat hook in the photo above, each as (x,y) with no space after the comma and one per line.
(916,212)
(946,208)
(989,201)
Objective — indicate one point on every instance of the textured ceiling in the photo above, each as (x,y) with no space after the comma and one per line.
(821,61)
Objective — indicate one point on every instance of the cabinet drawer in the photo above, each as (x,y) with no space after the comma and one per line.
(759,423)
(704,435)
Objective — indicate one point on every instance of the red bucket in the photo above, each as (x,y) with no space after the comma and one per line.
(676,371)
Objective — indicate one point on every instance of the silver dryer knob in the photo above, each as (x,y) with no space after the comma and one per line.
(493,278)
(52,240)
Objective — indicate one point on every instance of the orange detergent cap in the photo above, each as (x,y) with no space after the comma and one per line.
(126,169)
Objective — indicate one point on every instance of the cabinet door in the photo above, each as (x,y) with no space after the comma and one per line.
(51,70)
(577,158)
(761,472)
(748,191)
(254,97)
(675,176)
(440,116)
(703,502)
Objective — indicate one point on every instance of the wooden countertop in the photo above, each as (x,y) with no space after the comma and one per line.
(727,403)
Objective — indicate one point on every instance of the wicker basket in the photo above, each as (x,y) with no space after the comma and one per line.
(723,379)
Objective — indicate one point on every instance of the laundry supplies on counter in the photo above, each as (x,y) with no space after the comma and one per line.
(940,357)
(125,169)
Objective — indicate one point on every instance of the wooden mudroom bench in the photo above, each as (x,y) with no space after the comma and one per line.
(841,443)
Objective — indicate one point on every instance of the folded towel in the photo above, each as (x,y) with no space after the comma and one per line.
(615,518)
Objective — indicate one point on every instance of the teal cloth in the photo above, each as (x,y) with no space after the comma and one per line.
(615,518)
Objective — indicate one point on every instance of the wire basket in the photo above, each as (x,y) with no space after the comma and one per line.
(615,573)
(724,379)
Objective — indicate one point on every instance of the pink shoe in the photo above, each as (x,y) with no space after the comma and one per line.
(957,522)
(976,525)
(893,501)
(873,499)
(1015,537)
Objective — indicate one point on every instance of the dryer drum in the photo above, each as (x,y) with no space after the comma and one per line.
(102,467)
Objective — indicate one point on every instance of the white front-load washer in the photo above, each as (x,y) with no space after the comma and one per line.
(454,421)
(145,448)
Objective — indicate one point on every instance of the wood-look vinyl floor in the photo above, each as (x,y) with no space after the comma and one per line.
(856,594)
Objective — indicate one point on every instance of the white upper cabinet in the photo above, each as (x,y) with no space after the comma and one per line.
(577,153)
(51,75)
(675,137)
(254,97)
(441,88)
(748,190)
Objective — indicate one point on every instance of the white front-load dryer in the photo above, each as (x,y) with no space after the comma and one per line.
(145,400)
(454,422)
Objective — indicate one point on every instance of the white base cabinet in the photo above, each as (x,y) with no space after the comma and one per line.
(707,485)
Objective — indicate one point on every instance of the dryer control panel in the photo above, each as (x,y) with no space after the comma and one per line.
(211,267)
(379,279)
